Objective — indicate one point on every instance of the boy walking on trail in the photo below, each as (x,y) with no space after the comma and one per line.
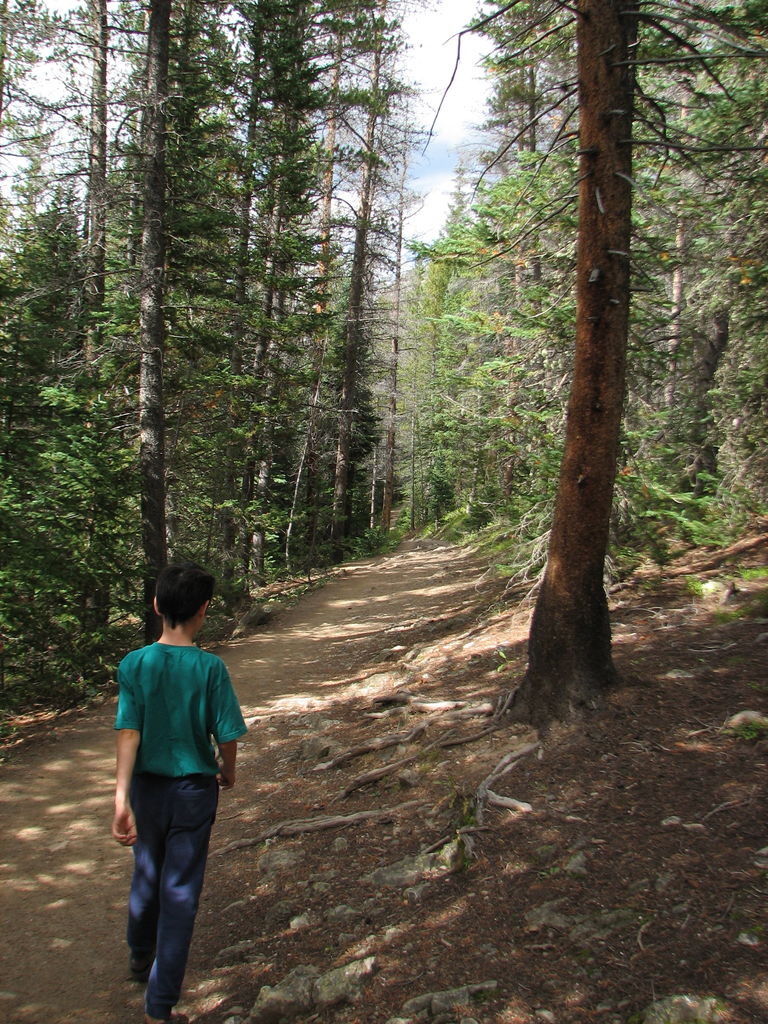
(174,701)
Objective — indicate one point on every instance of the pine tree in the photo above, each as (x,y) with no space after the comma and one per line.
(151,308)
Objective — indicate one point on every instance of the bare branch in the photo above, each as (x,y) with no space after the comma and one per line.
(303,826)
(378,743)
(522,131)
(508,58)
(685,45)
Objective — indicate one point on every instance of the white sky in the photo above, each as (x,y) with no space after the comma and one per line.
(429,65)
(430,62)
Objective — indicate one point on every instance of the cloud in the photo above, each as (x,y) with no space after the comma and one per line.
(431,63)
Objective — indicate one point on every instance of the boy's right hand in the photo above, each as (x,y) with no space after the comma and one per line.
(124,826)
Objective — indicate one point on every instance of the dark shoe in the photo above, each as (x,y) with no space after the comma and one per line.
(141,966)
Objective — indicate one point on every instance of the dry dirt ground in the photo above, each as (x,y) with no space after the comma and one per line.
(636,873)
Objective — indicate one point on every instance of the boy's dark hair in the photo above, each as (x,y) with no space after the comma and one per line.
(182,590)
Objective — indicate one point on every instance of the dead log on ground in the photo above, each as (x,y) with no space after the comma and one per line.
(302,826)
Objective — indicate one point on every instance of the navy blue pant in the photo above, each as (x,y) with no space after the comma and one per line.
(173,821)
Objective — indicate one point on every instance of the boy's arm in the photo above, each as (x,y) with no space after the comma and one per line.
(228,752)
(124,823)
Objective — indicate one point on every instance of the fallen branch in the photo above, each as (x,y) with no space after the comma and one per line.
(710,561)
(449,740)
(379,743)
(379,773)
(716,559)
(302,826)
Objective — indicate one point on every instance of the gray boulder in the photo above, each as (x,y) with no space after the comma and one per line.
(685,1009)
(448,859)
(343,984)
(289,999)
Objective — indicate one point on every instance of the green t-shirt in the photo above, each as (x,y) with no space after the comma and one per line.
(180,699)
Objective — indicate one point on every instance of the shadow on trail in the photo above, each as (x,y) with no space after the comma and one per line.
(63,880)
(361,619)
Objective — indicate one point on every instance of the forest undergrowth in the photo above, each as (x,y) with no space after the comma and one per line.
(619,860)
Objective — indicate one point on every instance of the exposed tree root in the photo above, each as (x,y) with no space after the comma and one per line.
(470,711)
(466,834)
(459,740)
(457,712)
(506,764)
(380,773)
(414,701)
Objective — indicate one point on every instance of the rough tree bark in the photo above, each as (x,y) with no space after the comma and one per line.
(151,312)
(313,443)
(354,331)
(569,647)
(97,159)
(391,435)
(711,350)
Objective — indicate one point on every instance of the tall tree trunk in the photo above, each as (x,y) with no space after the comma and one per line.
(258,472)
(354,336)
(374,488)
(96,599)
(569,646)
(232,524)
(151,310)
(313,458)
(678,305)
(97,172)
(678,302)
(391,434)
(714,344)
(4,34)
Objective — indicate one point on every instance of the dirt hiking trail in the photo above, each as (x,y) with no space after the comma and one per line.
(623,860)
(63,881)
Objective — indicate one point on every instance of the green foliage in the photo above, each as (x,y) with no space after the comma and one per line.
(257,310)
(757,573)
(655,513)
(63,555)
(495,316)
(751,732)
(754,607)
(694,586)
(463,807)
(65,480)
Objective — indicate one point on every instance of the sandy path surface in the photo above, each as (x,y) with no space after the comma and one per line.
(64,881)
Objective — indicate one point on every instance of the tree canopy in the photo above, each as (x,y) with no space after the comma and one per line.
(217,344)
